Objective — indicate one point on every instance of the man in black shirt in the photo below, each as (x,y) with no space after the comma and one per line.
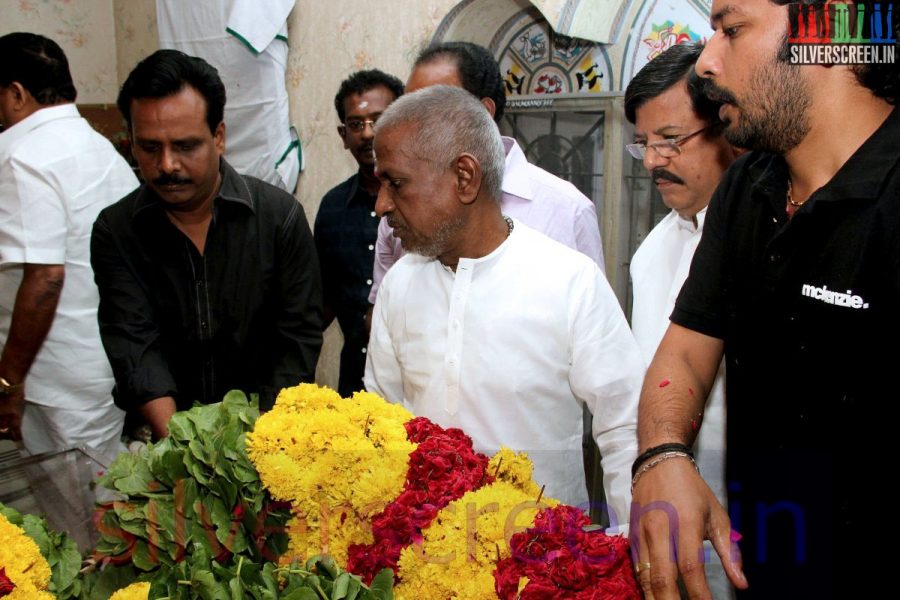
(796,279)
(347,226)
(208,280)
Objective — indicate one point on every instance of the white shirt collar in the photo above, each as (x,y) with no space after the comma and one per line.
(688,224)
(516,180)
(11,136)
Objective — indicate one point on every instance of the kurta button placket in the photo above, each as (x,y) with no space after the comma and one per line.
(455,321)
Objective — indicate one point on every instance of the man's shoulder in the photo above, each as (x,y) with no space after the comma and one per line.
(119,213)
(331,209)
(550,188)
(544,253)
(339,192)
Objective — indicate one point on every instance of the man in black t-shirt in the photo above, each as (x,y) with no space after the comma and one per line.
(795,280)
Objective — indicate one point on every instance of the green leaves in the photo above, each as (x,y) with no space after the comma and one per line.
(195,492)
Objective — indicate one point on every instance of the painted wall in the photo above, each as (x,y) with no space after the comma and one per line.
(85,29)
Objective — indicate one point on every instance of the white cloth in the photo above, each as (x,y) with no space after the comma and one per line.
(56,174)
(508,348)
(247,44)
(539,199)
(658,270)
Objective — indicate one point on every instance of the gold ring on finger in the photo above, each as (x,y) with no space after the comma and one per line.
(641,566)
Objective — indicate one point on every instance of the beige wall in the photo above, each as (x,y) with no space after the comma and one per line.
(136,33)
(86,32)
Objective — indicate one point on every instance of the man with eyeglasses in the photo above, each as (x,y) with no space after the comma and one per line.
(678,137)
(346,225)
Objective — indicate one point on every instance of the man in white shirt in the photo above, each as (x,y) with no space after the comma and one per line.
(56,174)
(530,194)
(678,137)
(489,325)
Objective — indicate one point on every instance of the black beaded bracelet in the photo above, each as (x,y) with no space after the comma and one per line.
(651,452)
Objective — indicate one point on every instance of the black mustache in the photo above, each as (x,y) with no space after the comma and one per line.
(661,174)
(715,93)
(170,180)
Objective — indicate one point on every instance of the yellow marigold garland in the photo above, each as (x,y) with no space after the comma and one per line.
(332,458)
(135,591)
(465,542)
(24,564)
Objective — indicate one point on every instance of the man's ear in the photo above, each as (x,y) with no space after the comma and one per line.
(468,178)
(490,105)
(342,131)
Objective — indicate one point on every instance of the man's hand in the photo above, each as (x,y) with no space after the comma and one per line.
(157,413)
(672,512)
(12,406)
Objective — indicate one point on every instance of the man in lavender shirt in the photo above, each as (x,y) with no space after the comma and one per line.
(542,201)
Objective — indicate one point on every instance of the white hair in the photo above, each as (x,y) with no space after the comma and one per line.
(449,121)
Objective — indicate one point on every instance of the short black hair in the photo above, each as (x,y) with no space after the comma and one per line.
(882,79)
(669,68)
(363,81)
(165,73)
(39,64)
(478,70)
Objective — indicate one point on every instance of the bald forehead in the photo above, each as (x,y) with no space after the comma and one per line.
(440,71)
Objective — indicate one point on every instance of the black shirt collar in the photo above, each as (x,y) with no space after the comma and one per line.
(861,177)
(232,189)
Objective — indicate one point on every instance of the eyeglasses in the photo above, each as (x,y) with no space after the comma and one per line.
(669,148)
(357,125)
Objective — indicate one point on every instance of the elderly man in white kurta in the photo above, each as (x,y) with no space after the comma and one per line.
(487,324)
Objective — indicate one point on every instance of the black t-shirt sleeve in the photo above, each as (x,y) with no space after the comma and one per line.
(701,303)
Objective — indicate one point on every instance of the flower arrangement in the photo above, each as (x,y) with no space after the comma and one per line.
(237,505)
(25,573)
(561,558)
(448,521)
(336,461)
(27,540)
(442,468)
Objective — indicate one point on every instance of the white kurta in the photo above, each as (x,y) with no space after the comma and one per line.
(658,270)
(56,175)
(508,348)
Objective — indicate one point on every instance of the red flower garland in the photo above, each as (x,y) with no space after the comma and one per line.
(442,469)
(562,561)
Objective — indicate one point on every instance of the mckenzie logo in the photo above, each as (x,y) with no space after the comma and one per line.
(850,300)
(842,33)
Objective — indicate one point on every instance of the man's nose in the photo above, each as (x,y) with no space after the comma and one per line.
(368,130)
(652,159)
(168,161)
(709,63)
(383,204)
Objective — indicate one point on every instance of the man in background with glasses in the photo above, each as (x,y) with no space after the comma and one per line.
(678,137)
(346,224)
